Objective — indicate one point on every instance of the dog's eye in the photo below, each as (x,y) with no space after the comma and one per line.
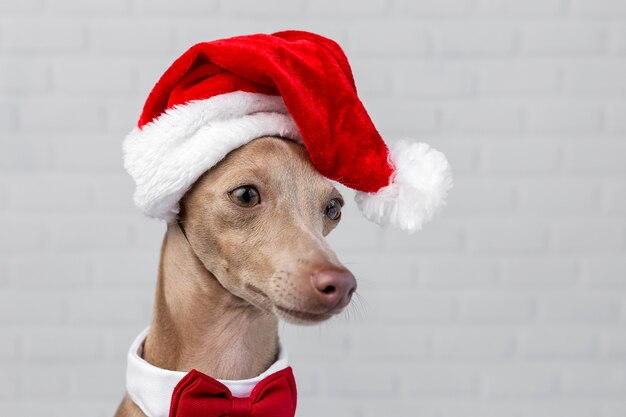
(333,209)
(246,196)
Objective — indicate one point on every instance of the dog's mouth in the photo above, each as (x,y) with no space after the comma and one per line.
(292,314)
(302,316)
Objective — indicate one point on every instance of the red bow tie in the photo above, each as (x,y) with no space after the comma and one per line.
(199,395)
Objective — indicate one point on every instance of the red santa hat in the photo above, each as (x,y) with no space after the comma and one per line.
(222,94)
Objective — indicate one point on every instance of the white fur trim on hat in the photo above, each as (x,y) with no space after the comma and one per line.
(418,188)
(169,154)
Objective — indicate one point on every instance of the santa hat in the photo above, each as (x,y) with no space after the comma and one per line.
(220,95)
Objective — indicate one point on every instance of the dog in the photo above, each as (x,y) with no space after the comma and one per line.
(234,149)
(248,249)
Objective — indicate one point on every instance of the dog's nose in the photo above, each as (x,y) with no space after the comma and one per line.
(334,288)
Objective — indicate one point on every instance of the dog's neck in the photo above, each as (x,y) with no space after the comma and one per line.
(198,324)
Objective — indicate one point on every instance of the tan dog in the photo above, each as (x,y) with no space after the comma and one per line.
(249,247)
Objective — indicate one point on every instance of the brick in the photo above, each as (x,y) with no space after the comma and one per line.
(131,37)
(480,197)
(566,118)
(410,308)
(68,273)
(148,233)
(560,197)
(99,308)
(614,343)
(5,277)
(615,118)
(98,382)
(578,309)
(589,237)
(23,76)
(37,35)
(528,8)
(520,382)
(402,116)
(168,8)
(46,382)
(458,274)
(519,79)
(418,81)
(17,308)
(270,8)
(24,157)
(435,8)
(552,38)
(350,8)
(606,381)
(558,344)
(440,381)
(496,308)
(113,193)
(482,40)
(310,376)
(615,411)
(506,238)
(207,29)
(608,8)
(480,409)
(373,79)
(20,5)
(117,341)
(394,407)
(367,379)
(19,236)
(399,40)
(609,273)
(615,201)
(472,344)
(122,115)
(538,273)
(45,193)
(60,115)
(604,79)
(97,156)
(381,270)
(482,118)
(591,158)
(127,270)
(8,117)
(397,343)
(24,409)
(91,77)
(89,233)
(621,41)
(63,345)
(517,158)
(8,385)
(436,237)
(9,346)
(463,158)
(333,345)
(110,6)
(569,410)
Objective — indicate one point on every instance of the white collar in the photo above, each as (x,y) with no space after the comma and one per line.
(151,387)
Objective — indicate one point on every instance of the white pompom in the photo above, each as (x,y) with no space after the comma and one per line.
(418,188)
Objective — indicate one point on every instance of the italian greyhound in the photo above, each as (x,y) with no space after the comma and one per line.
(248,248)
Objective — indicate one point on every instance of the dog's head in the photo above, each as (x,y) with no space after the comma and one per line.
(257,222)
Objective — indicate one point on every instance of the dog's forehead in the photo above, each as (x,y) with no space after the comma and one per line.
(268,159)
(271,155)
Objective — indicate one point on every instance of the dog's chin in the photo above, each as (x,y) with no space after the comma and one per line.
(303,318)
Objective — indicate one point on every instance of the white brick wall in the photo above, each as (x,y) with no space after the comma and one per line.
(512,303)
